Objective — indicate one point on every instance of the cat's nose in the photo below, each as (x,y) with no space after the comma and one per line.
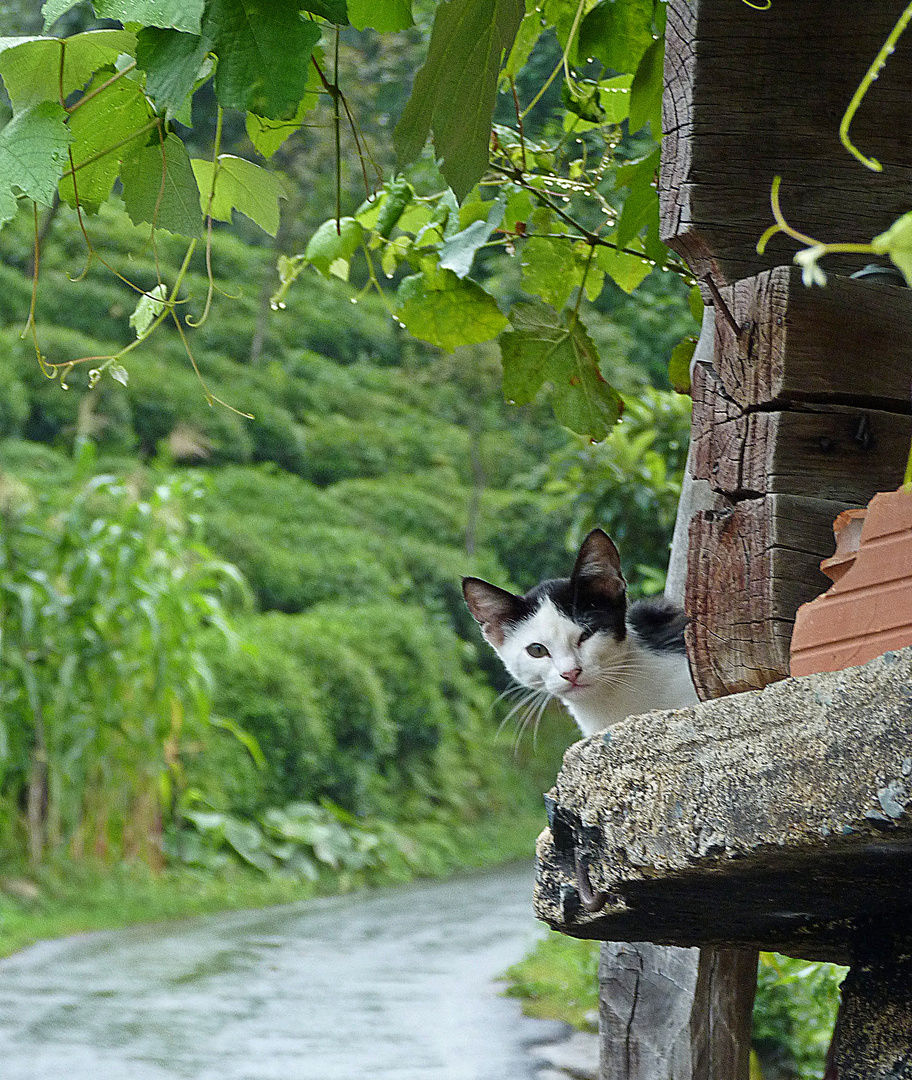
(571,676)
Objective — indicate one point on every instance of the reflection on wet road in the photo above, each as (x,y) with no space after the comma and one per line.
(394,985)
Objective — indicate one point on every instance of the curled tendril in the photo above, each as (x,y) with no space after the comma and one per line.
(873,71)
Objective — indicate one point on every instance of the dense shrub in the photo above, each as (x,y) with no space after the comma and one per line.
(368,705)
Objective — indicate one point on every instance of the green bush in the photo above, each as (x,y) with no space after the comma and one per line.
(291,566)
(368,705)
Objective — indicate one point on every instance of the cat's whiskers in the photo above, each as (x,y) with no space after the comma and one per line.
(531,717)
(530,707)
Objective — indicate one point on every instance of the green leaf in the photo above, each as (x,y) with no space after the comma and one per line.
(334,11)
(386,16)
(623,269)
(102,122)
(551,269)
(679,364)
(458,251)
(178,14)
(332,243)
(173,62)
(33,155)
(268,135)
(543,347)
(30,67)
(150,306)
(264,51)
(897,243)
(646,91)
(617,32)
(640,210)
(448,311)
(530,30)
(615,98)
(240,185)
(454,92)
(695,303)
(159,188)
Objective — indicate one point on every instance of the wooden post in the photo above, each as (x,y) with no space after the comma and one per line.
(675,1014)
(804,413)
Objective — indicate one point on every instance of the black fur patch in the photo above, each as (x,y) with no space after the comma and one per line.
(659,624)
(587,607)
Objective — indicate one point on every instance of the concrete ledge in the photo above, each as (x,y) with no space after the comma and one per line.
(777,819)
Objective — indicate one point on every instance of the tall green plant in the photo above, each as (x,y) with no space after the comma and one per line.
(103,600)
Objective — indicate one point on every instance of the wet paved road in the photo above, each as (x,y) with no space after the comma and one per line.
(391,985)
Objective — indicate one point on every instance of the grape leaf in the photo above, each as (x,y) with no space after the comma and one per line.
(177,14)
(547,347)
(616,32)
(530,30)
(31,66)
(150,306)
(102,122)
(679,364)
(623,269)
(386,16)
(454,92)
(897,243)
(264,53)
(458,251)
(332,243)
(334,11)
(159,188)
(268,135)
(240,185)
(646,91)
(447,311)
(33,154)
(551,269)
(172,61)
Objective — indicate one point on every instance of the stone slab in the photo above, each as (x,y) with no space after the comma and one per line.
(777,819)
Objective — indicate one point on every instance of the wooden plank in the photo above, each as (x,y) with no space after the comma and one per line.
(752,94)
(751,564)
(847,342)
(674,1014)
(840,453)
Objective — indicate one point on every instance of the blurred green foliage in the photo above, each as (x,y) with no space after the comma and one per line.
(373,474)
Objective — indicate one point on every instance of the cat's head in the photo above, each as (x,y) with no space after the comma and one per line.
(562,636)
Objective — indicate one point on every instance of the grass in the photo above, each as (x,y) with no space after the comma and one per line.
(558,980)
(65,898)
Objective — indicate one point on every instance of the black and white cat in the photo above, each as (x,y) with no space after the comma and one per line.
(576,640)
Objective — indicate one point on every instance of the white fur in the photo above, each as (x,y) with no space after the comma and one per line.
(617,678)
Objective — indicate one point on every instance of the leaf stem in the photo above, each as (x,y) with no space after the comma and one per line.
(98,89)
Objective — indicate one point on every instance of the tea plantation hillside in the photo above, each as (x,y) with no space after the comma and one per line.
(347,691)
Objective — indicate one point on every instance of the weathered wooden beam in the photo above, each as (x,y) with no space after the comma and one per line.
(665,1016)
(752,94)
(844,343)
(751,564)
(779,819)
(806,399)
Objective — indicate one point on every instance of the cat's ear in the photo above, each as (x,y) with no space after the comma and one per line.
(599,565)
(491,607)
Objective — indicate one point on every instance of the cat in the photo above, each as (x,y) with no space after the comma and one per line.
(575,639)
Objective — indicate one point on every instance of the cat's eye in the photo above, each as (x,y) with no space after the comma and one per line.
(584,636)
(537,650)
